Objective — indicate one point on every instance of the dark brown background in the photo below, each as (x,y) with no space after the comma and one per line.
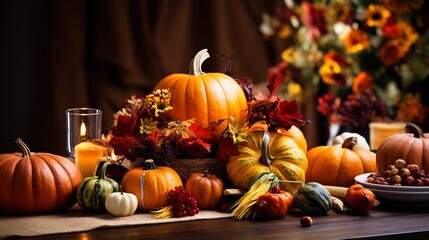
(57,55)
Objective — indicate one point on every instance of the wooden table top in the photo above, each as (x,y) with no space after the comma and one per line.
(385,222)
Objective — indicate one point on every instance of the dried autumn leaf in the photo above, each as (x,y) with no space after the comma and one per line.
(194,147)
(275,83)
(226,149)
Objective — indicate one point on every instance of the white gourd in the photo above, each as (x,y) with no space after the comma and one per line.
(121,204)
(361,141)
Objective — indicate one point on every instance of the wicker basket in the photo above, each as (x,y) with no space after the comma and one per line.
(184,167)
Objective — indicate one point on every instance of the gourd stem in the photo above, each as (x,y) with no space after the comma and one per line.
(120,189)
(196,64)
(24,148)
(349,143)
(149,164)
(102,174)
(266,158)
(206,173)
(414,129)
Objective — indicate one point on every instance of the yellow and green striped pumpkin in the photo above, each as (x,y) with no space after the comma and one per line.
(93,191)
(265,152)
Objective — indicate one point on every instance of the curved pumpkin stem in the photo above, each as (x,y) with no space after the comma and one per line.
(102,173)
(196,64)
(414,129)
(24,148)
(349,143)
(266,158)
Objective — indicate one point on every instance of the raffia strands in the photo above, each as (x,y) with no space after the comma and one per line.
(244,207)
(165,212)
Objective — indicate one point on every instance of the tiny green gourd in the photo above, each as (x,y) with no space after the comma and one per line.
(93,191)
(313,199)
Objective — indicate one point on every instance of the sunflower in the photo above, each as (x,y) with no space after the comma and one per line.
(410,109)
(408,33)
(288,55)
(158,102)
(392,51)
(356,41)
(376,15)
(331,73)
(362,83)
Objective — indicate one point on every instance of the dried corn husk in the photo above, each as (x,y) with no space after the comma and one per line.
(244,207)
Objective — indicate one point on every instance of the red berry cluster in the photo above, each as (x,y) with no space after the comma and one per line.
(184,204)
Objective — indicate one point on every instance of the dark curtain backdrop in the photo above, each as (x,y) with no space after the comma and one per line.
(60,54)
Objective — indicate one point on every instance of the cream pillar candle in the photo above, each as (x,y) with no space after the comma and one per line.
(378,131)
(88,156)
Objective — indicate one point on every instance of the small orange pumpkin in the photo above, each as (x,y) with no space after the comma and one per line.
(206,188)
(359,198)
(207,97)
(339,164)
(150,184)
(37,183)
(413,148)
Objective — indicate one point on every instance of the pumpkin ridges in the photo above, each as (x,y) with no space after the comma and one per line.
(154,188)
(320,162)
(425,157)
(25,187)
(296,135)
(315,151)
(390,151)
(365,156)
(350,166)
(51,196)
(244,168)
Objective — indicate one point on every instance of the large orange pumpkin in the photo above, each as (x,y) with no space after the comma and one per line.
(268,152)
(338,165)
(36,183)
(207,97)
(150,184)
(412,146)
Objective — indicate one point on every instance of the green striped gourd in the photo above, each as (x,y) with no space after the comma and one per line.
(93,191)
(313,199)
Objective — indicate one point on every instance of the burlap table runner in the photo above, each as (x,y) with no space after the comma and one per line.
(77,220)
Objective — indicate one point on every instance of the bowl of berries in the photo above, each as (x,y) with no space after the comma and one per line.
(399,183)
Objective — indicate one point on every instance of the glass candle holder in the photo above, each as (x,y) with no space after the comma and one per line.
(378,131)
(82,124)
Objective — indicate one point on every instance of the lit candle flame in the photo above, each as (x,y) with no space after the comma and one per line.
(82,129)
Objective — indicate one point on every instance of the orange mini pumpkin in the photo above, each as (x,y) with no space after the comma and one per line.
(339,164)
(413,148)
(150,184)
(359,198)
(207,97)
(206,188)
(37,183)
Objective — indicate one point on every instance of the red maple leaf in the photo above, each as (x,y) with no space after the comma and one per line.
(153,140)
(123,145)
(194,147)
(200,132)
(226,149)
(126,126)
(275,78)
(287,114)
